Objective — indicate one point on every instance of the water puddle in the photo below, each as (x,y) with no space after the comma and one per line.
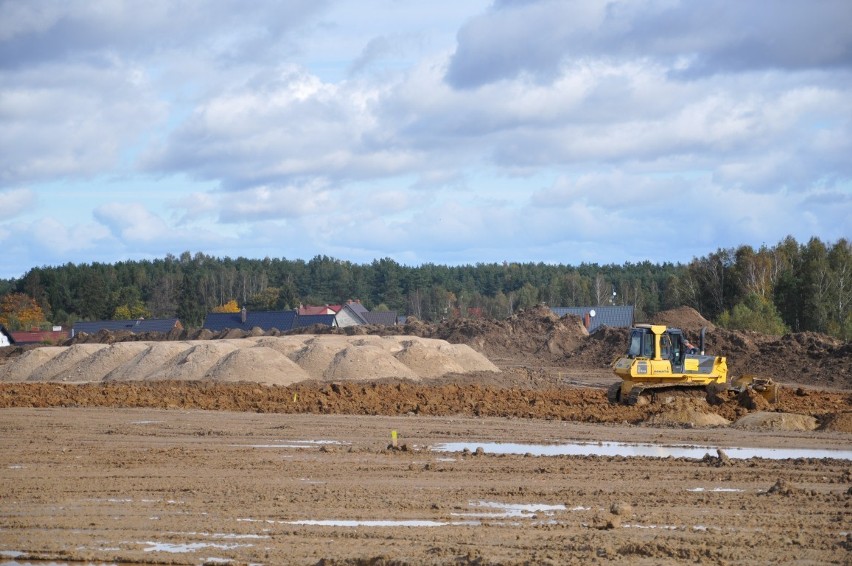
(401,523)
(716,490)
(188,547)
(627,449)
(511,510)
(295,444)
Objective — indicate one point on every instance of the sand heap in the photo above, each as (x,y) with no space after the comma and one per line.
(270,360)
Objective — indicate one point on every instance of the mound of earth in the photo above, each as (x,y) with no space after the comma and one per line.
(685,318)
(269,360)
(763,420)
(838,422)
(687,412)
(531,334)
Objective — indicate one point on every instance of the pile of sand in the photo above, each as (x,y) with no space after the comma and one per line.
(684,411)
(763,420)
(685,318)
(263,359)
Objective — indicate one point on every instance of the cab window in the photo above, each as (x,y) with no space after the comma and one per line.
(635,344)
(665,347)
(648,346)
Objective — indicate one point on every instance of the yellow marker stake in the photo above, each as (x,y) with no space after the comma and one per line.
(295,397)
(393,438)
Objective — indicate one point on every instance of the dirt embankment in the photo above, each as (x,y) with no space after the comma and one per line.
(830,410)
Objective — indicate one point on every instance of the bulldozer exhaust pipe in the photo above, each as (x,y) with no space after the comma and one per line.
(701,339)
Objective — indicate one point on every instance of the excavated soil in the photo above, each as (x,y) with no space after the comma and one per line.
(237,448)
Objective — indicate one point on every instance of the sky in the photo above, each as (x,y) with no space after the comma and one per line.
(427,132)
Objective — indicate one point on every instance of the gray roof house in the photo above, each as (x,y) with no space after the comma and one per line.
(134,326)
(246,320)
(605,315)
(386,318)
(307,320)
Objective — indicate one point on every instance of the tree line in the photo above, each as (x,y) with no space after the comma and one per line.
(787,287)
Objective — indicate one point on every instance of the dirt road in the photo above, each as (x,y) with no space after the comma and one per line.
(192,487)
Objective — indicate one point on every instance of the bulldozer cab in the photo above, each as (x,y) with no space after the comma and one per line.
(658,343)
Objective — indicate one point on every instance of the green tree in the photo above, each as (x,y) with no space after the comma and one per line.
(754,313)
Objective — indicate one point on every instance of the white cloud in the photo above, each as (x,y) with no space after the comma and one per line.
(462,132)
(15,201)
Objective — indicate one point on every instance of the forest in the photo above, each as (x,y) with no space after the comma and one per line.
(790,286)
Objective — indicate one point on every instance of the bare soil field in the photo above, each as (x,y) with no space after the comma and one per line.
(252,449)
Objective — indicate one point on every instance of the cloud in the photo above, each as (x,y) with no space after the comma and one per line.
(15,201)
(131,222)
(71,120)
(537,37)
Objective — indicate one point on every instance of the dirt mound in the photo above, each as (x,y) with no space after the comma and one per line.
(427,362)
(194,362)
(685,318)
(600,349)
(838,422)
(146,362)
(687,412)
(530,334)
(268,367)
(56,367)
(22,368)
(365,361)
(763,420)
(263,359)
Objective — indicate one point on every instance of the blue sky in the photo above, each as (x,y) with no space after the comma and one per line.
(445,132)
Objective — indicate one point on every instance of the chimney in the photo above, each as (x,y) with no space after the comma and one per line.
(243,315)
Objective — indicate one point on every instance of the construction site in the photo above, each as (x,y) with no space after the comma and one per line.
(467,442)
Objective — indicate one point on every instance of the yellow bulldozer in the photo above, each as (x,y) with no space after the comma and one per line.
(661,359)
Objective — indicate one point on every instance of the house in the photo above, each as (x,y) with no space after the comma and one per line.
(595,317)
(138,326)
(6,338)
(307,320)
(41,336)
(353,313)
(246,320)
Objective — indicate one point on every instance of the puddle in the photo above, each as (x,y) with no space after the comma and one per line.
(638,450)
(490,510)
(146,422)
(511,510)
(716,490)
(402,523)
(294,444)
(188,547)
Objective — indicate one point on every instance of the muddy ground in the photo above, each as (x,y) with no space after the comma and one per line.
(207,472)
(196,487)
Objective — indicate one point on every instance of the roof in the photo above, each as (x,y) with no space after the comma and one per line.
(140,325)
(304,321)
(309,309)
(39,336)
(357,306)
(265,320)
(386,318)
(613,316)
